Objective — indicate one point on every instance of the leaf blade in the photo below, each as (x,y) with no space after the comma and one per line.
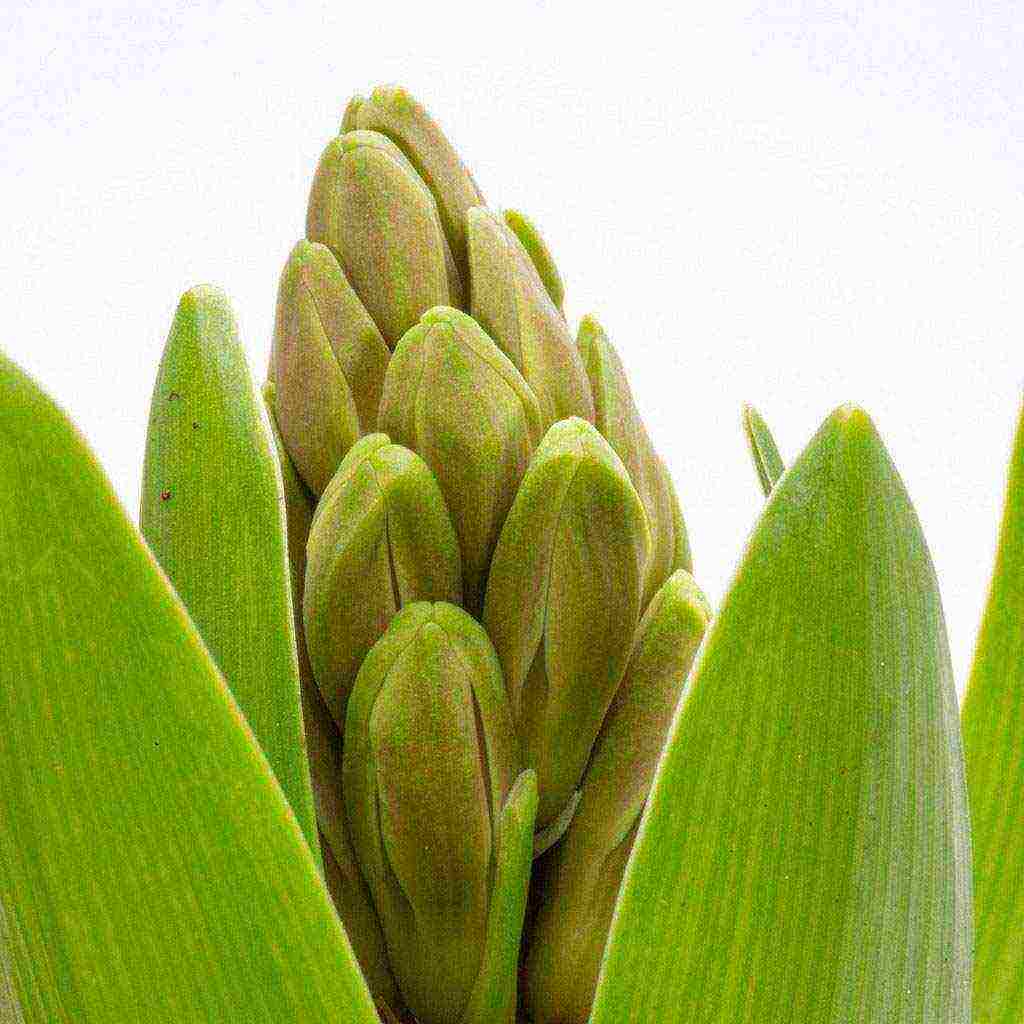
(763,451)
(213,513)
(782,871)
(993,724)
(150,866)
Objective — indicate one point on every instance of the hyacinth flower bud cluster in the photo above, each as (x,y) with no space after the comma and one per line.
(492,582)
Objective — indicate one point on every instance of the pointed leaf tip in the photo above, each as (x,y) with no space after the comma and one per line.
(826,836)
(212,497)
(763,450)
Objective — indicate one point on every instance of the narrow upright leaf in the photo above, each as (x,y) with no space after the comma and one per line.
(150,867)
(804,856)
(993,723)
(213,513)
(763,450)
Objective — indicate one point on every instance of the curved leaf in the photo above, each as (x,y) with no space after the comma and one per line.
(993,724)
(804,855)
(213,513)
(150,866)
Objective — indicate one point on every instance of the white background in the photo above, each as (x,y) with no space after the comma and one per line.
(792,203)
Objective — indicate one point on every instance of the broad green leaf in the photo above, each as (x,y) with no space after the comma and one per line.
(804,855)
(763,450)
(213,513)
(150,866)
(993,724)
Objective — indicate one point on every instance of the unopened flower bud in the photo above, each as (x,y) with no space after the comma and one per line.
(452,396)
(580,877)
(619,422)
(393,112)
(327,362)
(381,538)
(371,208)
(511,303)
(430,759)
(563,600)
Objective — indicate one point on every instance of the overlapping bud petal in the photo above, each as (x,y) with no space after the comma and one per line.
(563,601)
(510,301)
(540,255)
(371,208)
(381,538)
(393,112)
(453,397)
(619,422)
(430,759)
(327,363)
(580,877)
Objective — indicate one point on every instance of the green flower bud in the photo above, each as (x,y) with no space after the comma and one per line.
(580,877)
(348,119)
(619,421)
(511,303)
(327,361)
(342,876)
(369,205)
(526,231)
(430,758)
(451,395)
(393,112)
(381,538)
(563,600)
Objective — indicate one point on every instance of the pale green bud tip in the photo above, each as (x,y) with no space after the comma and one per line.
(350,118)
(512,303)
(689,602)
(533,242)
(394,112)
(317,413)
(369,205)
(618,419)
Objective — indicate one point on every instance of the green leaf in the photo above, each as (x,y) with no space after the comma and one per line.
(213,514)
(804,855)
(763,450)
(10,1006)
(993,724)
(150,866)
